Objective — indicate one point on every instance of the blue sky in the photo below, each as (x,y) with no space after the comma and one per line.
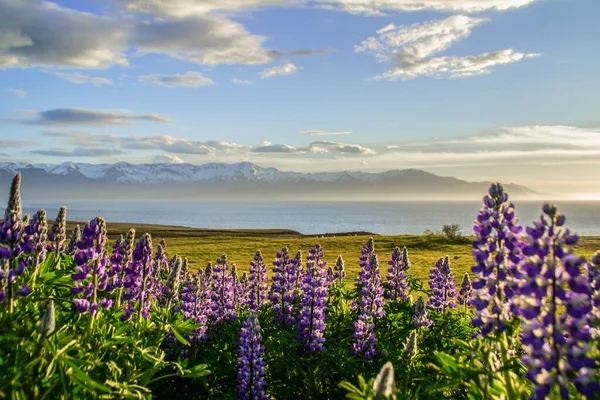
(479,89)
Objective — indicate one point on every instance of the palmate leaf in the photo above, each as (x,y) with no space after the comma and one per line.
(196,371)
(82,379)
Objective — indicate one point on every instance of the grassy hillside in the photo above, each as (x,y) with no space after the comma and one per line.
(201,246)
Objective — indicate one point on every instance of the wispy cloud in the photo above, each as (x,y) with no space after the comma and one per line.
(241,81)
(380,7)
(79,152)
(412,48)
(89,117)
(285,69)
(81,78)
(189,79)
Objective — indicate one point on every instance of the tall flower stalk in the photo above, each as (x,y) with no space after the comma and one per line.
(120,260)
(339,273)
(251,366)
(397,276)
(58,232)
(443,288)
(282,288)
(555,308)
(419,318)
(466,292)
(194,304)
(311,321)
(34,244)
(295,274)
(366,253)
(11,232)
(90,276)
(497,254)
(257,296)
(370,308)
(223,307)
(75,237)
(138,280)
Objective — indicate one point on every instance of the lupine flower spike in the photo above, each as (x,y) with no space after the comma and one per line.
(556,304)
(419,318)
(282,288)
(75,237)
(370,304)
(497,253)
(194,304)
(397,276)
(443,288)
(138,282)
(11,232)
(223,307)
(120,260)
(411,347)
(170,291)
(466,292)
(90,276)
(593,270)
(296,273)
(258,282)
(311,321)
(251,366)
(58,232)
(365,256)
(34,243)
(338,271)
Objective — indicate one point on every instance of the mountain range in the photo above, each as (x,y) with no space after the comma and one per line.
(239,181)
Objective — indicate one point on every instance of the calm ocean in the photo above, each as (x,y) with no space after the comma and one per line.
(388,218)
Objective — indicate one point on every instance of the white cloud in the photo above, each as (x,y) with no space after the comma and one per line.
(411,48)
(37,33)
(81,78)
(268,147)
(203,39)
(326,147)
(190,79)
(325,133)
(91,117)
(19,92)
(241,81)
(378,7)
(285,69)
(167,159)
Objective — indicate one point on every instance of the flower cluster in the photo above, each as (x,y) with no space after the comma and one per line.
(282,288)
(367,251)
(90,275)
(339,273)
(161,270)
(296,273)
(194,304)
(555,306)
(58,232)
(419,318)
(170,290)
(370,308)
(443,288)
(497,253)
(75,237)
(223,306)
(397,275)
(34,240)
(138,283)
(257,295)
(11,232)
(593,270)
(239,295)
(311,321)
(411,347)
(466,291)
(251,366)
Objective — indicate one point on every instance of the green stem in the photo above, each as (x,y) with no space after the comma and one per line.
(504,352)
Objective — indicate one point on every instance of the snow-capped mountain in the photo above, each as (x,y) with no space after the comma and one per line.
(240,179)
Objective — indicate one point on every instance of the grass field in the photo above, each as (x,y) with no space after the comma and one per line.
(202,245)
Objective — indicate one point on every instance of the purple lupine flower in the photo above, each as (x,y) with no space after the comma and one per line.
(244,284)
(239,295)
(367,251)
(120,259)
(251,367)
(593,270)
(34,243)
(11,232)
(194,304)
(466,291)
(443,288)
(296,271)
(75,237)
(185,270)
(161,270)
(90,276)
(555,309)
(339,273)
(223,307)
(207,282)
(497,253)
(257,295)
(26,219)
(58,233)
(170,290)
(370,308)
(138,283)
(311,321)
(330,277)
(282,288)
(419,318)
(397,275)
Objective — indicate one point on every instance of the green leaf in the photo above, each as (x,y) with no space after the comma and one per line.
(180,338)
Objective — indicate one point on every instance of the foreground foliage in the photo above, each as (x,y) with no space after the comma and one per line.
(80,321)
